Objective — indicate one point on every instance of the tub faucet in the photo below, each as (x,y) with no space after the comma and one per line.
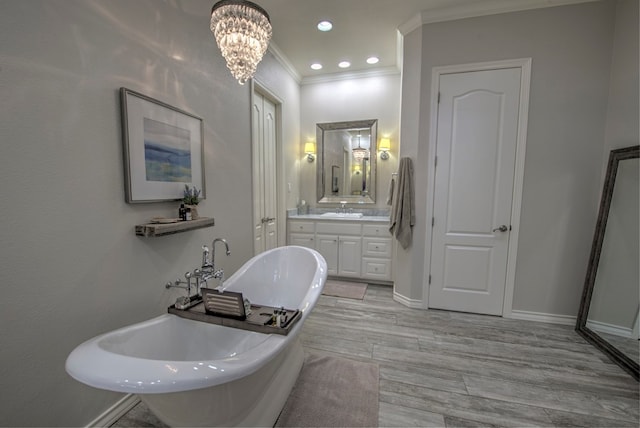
(213,245)
(218,273)
(183,302)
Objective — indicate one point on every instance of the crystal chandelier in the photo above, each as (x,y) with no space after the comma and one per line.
(242,30)
(359,153)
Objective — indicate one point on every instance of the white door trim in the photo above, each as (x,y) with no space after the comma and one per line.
(280,178)
(525,83)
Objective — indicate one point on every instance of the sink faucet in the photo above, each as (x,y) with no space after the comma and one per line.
(343,207)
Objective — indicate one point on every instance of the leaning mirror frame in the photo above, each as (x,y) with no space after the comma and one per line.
(325,196)
(615,354)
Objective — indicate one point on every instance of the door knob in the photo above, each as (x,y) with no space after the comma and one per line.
(502,228)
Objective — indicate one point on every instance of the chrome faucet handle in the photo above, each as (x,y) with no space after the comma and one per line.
(205,256)
(220,275)
(188,276)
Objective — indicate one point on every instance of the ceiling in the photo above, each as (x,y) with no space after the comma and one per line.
(362,28)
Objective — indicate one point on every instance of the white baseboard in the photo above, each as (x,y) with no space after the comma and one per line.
(411,303)
(542,317)
(616,330)
(115,412)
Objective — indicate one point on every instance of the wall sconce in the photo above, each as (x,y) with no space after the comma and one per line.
(356,169)
(384,146)
(310,150)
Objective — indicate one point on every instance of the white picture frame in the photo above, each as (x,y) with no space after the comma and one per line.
(163,149)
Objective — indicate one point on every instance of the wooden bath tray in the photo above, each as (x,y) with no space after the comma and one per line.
(253,322)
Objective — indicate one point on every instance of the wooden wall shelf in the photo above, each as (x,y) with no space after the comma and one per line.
(161,229)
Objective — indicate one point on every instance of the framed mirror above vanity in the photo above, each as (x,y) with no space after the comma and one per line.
(610,305)
(346,166)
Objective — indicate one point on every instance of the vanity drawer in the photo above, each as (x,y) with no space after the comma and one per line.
(339,228)
(303,240)
(381,230)
(301,227)
(376,247)
(376,269)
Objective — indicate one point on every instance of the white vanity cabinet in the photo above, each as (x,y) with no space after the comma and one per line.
(341,246)
(376,252)
(302,233)
(352,249)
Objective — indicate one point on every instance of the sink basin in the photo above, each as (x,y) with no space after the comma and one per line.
(342,215)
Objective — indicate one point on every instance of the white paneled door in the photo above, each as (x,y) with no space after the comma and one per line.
(264,174)
(477,130)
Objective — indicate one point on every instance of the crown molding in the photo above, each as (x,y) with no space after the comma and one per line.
(334,77)
(286,64)
(284,61)
(484,8)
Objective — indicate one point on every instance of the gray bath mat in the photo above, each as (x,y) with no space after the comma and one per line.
(333,392)
(350,290)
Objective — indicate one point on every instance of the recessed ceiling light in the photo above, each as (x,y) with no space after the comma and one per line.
(316,66)
(325,26)
(373,60)
(344,64)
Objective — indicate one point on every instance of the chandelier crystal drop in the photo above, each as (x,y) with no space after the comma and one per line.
(359,153)
(242,30)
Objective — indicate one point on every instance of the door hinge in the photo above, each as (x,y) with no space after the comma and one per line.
(433,221)
(435,162)
(438,97)
(429,279)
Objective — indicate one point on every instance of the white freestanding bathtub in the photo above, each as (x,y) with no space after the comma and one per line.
(192,373)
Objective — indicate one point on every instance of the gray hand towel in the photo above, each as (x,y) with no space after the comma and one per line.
(392,185)
(403,212)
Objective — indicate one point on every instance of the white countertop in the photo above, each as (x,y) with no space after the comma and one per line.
(367,218)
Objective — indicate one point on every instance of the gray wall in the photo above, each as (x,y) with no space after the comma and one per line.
(571,48)
(615,297)
(71,266)
(623,112)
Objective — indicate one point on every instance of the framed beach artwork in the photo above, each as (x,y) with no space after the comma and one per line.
(163,149)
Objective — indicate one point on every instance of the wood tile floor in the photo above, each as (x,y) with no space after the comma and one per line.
(449,369)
